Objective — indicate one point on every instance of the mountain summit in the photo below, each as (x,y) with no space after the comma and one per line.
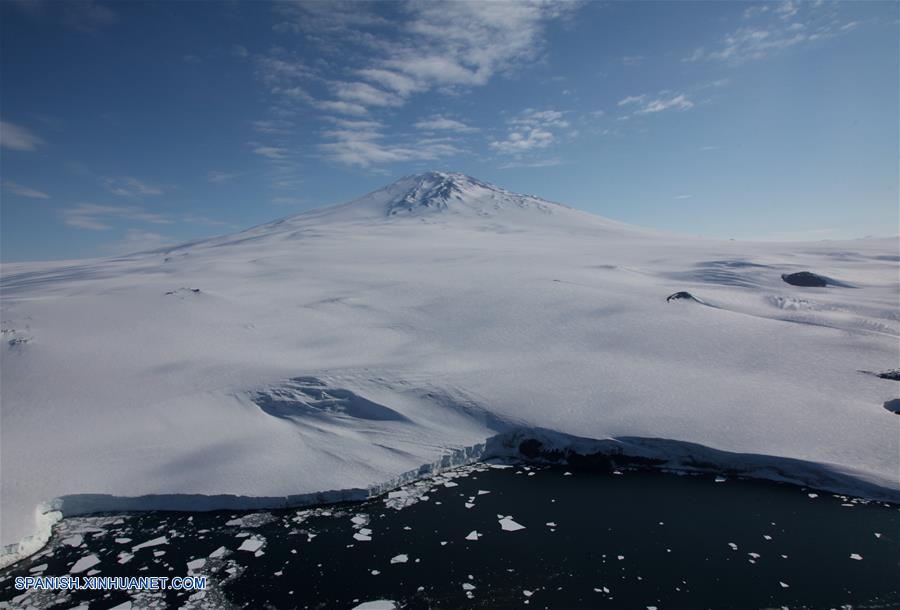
(432,193)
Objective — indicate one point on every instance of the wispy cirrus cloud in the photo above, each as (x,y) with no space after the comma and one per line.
(270,152)
(441,123)
(97,217)
(23,191)
(665,100)
(126,186)
(772,28)
(16,137)
(364,146)
(447,47)
(678,101)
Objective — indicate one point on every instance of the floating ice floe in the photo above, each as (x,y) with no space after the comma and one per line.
(378,604)
(400,558)
(508,525)
(75,540)
(363,535)
(473,535)
(149,543)
(856,556)
(83,564)
(251,545)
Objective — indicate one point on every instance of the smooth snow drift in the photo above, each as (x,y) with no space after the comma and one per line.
(337,349)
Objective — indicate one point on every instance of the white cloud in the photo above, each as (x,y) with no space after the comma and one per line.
(787,25)
(127,186)
(274,126)
(666,101)
(678,102)
(239,50)
(455,44)
(552,162)
(440,123)
(363,145)
(632,99)
(281,71)
(24,191)
(192,59)
(97,217)
(402,85)
(524,141)
(343,107)
(365,94)
(446,47)
(271,152)
(16,137)
(531,130)
(683,196)
(632,60)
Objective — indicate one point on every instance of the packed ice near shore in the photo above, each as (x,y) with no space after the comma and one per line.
(336,350)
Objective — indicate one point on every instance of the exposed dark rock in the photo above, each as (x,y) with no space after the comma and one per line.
(804,278)
(893,406)
(534,450)
(893,375)
(182,289)
(680,295)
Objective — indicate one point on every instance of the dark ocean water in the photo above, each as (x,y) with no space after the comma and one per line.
(632,539)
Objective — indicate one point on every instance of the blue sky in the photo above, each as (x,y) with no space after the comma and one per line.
(129,125)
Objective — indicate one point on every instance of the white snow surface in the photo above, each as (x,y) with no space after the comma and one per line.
(338,349)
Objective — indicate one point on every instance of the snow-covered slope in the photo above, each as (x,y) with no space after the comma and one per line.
(337,349)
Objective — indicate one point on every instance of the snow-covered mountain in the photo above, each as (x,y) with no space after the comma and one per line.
(341,348)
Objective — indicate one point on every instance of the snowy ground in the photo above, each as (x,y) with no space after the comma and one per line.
(338,349)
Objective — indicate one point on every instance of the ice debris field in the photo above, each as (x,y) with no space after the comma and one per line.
(340,352)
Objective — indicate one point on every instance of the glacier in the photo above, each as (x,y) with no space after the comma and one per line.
(441,319)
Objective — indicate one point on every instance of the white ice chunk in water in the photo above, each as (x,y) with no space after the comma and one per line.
(83,564)
(509,525)
(75,540)
(196,564)
(251,545)
(149,543)
(856,556)
(218,552)
(378,604)
(400,558)
(473,535)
